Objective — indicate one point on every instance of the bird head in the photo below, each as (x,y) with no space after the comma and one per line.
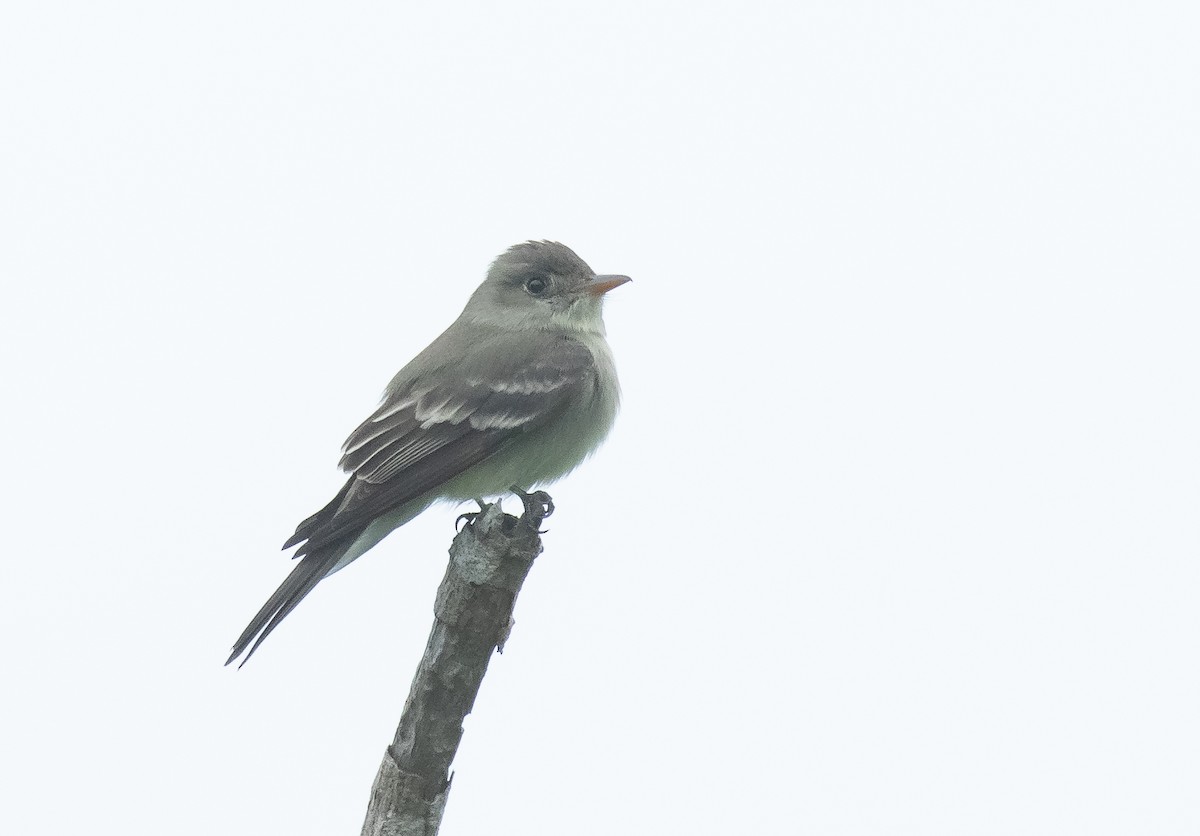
(542,284)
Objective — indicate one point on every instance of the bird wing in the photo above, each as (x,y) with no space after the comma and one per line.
(429,429)
(436,426)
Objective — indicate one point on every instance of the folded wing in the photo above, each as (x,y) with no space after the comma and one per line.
(430,428)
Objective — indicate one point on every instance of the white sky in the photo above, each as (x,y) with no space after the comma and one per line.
(897,532)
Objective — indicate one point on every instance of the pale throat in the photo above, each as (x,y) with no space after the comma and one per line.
(581,318)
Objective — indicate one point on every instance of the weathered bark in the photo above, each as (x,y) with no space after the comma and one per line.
(489,561)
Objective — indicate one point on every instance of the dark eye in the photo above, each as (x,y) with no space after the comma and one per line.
(536,286)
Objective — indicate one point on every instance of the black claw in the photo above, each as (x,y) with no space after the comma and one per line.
(470,516)
(538,506)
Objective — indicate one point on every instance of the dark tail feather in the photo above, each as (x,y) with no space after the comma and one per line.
(313,523)
(291,592)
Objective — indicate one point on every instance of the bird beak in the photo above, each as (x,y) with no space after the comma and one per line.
(599,285)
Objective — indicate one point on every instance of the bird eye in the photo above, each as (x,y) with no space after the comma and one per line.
(536,286)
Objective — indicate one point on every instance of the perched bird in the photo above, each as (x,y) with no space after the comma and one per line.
(517,392)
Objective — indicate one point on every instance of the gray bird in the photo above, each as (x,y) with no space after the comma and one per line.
(516,393)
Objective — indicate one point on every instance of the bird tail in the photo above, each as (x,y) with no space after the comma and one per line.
(328,554)
(301,581)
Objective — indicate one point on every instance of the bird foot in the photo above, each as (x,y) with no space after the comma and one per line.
(470,516)
(538,506)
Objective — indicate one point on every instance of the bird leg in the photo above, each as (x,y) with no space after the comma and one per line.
(538,506)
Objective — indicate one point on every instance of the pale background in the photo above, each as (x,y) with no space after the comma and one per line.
(897,532)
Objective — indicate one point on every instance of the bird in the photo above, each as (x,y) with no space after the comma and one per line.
(517,392)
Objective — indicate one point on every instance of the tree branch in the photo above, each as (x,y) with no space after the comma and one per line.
(489,561)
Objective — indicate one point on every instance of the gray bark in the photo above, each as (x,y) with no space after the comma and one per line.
(489,561)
